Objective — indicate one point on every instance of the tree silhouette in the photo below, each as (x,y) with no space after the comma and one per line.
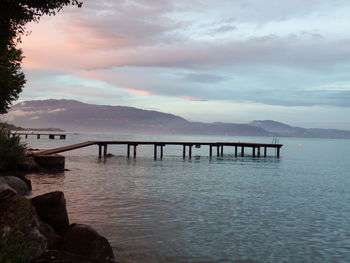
(14,15)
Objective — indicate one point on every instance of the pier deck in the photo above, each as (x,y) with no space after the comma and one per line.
(62,136)
(158,145)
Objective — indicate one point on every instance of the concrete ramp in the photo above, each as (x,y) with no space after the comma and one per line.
(66,148)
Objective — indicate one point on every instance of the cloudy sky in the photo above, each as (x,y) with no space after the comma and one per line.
(222,60)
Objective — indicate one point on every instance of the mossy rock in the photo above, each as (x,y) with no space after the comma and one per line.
(21,239)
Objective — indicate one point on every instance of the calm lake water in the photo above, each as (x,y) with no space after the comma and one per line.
(221,209)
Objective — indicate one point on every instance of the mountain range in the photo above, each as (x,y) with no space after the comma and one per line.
(72,115)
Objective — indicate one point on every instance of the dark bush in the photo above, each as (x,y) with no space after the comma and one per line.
(12,150)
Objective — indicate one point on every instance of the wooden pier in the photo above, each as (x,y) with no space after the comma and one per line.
(61,136)
(257,149)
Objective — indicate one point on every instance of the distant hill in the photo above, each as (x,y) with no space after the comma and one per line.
(72,115)
(277,127)
(12,127)
(290,131)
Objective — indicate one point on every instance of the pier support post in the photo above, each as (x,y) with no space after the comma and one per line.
(190,151)
(265,151)
(278,152)
(210,150)
(236,150)
(26,136)
(242,151)
(217,150)
(51,136)
(38,136)
(253,151)
(161,152)
(184,151)
(155,151)
(128,151)
(135,150)
(105,150)
(222,150)
(99,150)
(258,151)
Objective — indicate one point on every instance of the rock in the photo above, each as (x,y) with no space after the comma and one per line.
(27,181)
(48,232)
(51,208)
(17,184)
(5,190)
(20,231)
(50,162)
(84,241)
(30,165)
(24,179)
(55,256)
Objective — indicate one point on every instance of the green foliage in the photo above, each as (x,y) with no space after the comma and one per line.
(14,15)
(12,150)
(9,252)
(12,79)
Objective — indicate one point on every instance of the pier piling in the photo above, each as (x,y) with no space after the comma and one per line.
(105,150)
(155,151)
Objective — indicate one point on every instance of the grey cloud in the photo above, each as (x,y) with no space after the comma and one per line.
(224,28)
(265,11)
(282,97)
(269,50)
(267,86)
(142,33)
(203,77)
(116,24)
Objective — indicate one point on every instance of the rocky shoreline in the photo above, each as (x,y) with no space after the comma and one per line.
(38,230)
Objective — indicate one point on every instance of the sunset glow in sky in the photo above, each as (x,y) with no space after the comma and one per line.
(223,60)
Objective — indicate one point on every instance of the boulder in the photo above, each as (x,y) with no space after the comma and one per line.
(51,208)
(21,233)
(48,232)
(17,184)
(84,241)
(55,256)
(29,165)
(24,179)
(5,190)
(50,162)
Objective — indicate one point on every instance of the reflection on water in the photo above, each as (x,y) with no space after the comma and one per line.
(219,209)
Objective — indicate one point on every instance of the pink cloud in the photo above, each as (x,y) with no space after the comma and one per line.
(192,98)
(139,92)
